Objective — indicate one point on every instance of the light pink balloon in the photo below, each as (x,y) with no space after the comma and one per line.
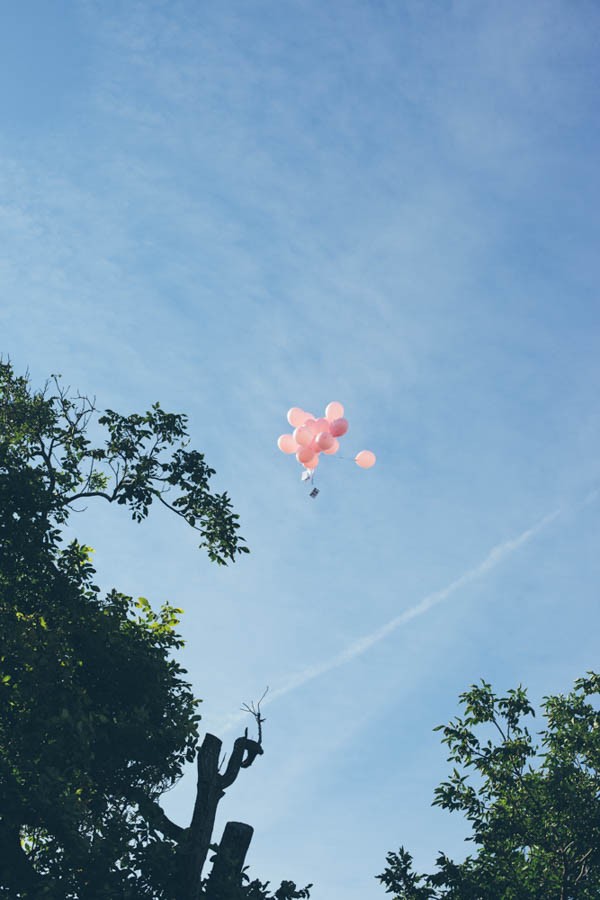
(312,425)
(312,463)
(304,455)
(365,459)
(307,416)
(334,448)
(287,444)
(334,410)
(325,441)
(303,436)
(296,416)
(322,425)
(339,427)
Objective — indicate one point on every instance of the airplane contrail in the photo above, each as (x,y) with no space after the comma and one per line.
(496,556)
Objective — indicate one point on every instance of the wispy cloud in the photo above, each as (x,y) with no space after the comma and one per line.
(357,648)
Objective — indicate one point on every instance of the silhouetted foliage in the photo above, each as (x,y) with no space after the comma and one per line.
(534,806)
(96,717)
(48,463)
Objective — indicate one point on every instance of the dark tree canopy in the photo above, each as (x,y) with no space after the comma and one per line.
(533,805)
(96,717)
(48,463)
(94,714)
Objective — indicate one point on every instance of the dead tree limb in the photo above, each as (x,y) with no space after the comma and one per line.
(212,784)
(225,878)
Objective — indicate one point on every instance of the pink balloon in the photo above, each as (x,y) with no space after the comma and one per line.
(296,416)
(312,425)
(365,459)
(287,444)
(339,427)
(304,455)
(325,441)
(307,416)
(303,436)
(334,410)
(334,448)
(312,463)
(322,425)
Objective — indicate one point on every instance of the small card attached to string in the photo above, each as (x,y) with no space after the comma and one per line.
(308,475)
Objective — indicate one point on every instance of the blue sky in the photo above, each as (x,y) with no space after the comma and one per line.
(235,208)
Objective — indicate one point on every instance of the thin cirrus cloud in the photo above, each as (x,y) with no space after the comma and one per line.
(496,556)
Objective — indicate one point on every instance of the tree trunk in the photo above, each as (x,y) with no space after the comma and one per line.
(208,794)
(226,875)
(195,841)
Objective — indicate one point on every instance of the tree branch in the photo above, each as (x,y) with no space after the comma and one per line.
(84,494)
(244,752)
(156,816)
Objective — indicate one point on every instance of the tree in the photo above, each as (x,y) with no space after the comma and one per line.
(49,463)
(96,717)
(534,806)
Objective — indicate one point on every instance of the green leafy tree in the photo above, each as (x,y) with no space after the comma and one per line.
(96,718)
(533,805)
(49,463)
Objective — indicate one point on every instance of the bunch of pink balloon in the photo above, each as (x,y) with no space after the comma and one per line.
(312,436)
